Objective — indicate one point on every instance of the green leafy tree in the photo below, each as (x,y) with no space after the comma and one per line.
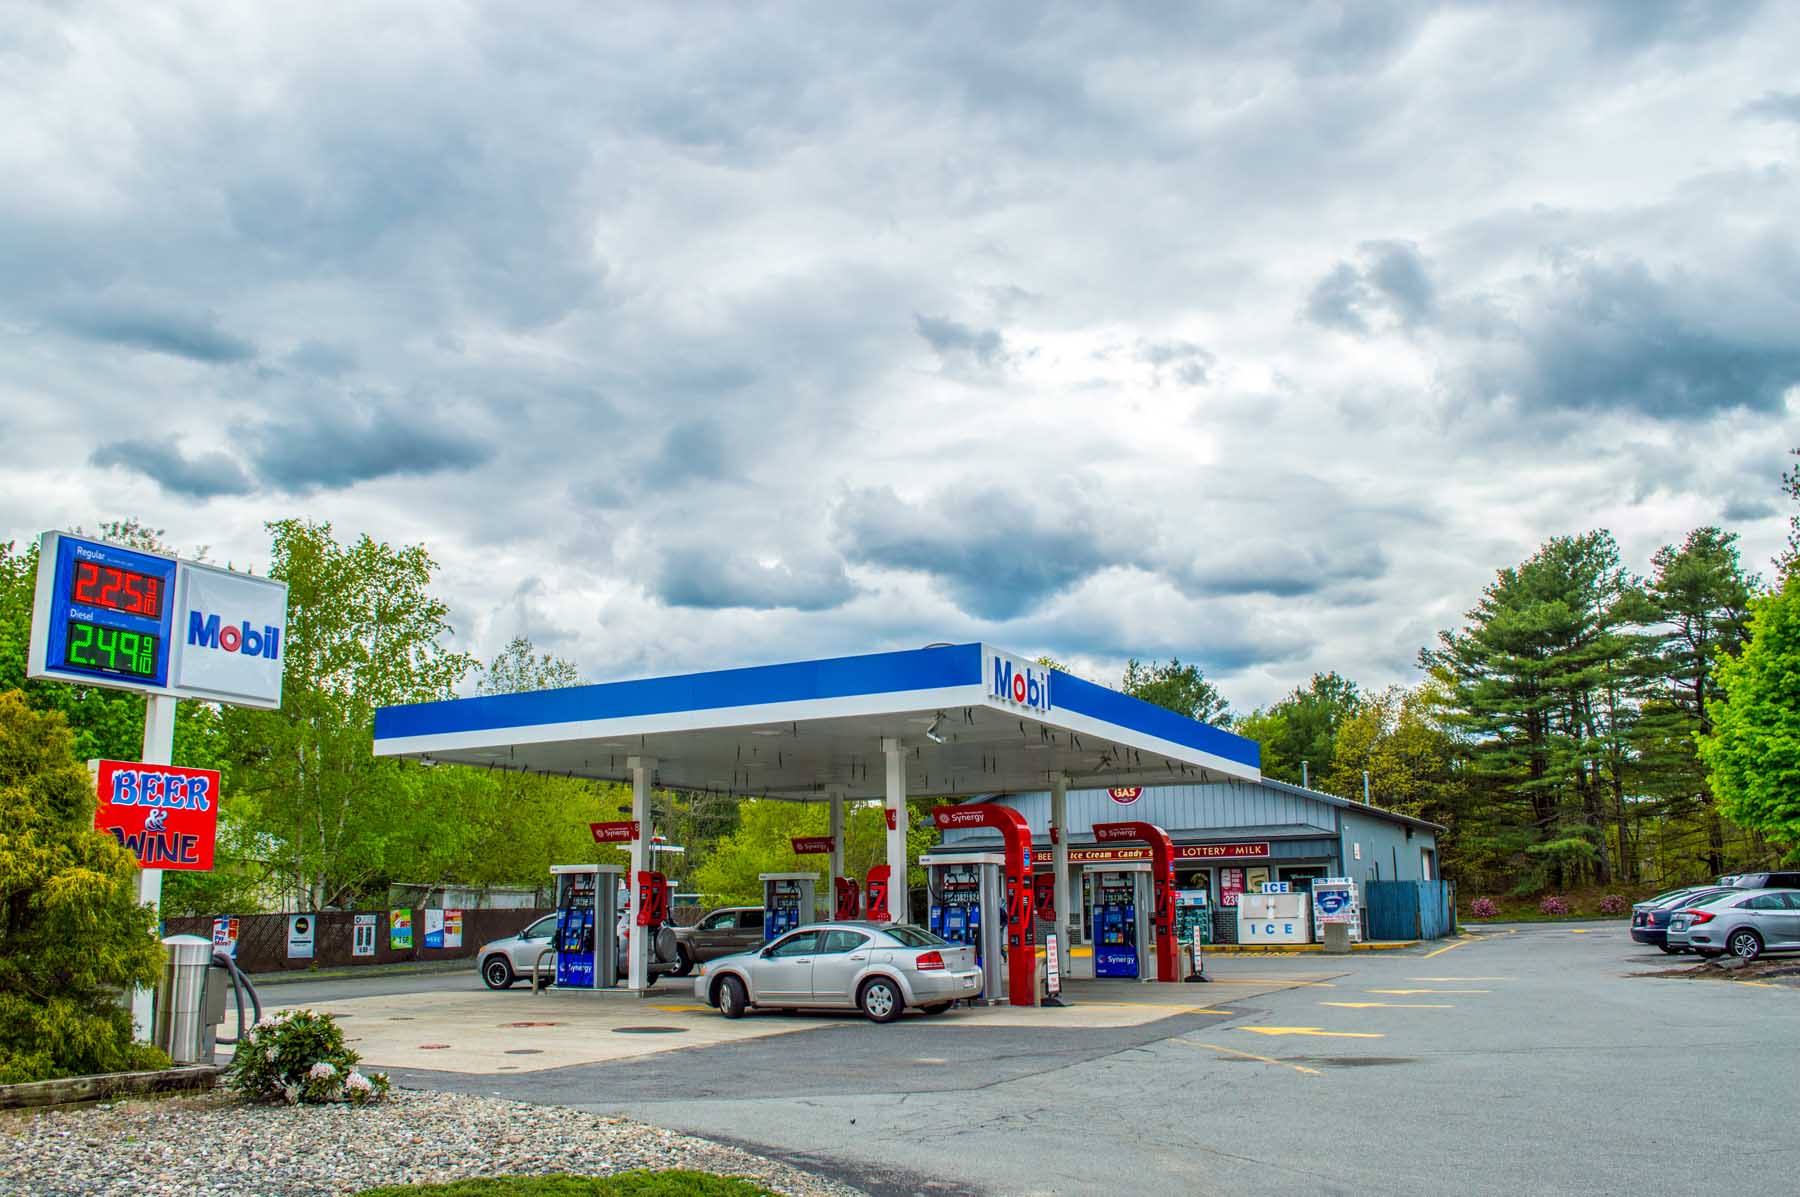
(364,631)
(520,667)
(1181,688)
(1788,560)
(72,935)
(1753,751)
(1303,727)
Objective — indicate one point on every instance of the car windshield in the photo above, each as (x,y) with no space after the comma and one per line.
(1667,896)
(915,937)
(1710,896)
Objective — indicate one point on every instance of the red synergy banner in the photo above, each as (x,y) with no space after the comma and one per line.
(166,814)
(614,833)
(810,845)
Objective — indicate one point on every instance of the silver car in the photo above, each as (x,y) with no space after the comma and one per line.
(504,961)
(1744,923)
(879,968)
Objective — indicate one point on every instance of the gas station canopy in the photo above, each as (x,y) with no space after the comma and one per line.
(971,719)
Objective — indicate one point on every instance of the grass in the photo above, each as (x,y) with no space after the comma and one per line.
(674,1183)
(1582,904)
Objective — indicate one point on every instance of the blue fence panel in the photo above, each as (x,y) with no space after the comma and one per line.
(1411,909)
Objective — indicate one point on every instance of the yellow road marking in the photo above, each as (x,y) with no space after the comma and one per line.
(1446,948)
(1578,930)
(1411,992)
(1313,1031)
(678,1009)
(1232,1051)
(1758,984)
(1391,1005)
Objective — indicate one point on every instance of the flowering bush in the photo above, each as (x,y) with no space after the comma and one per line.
(1553,905)
(298,1056)
(1613,904)
(1483,908)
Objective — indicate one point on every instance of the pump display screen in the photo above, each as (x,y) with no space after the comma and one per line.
(98,649)
(94,584)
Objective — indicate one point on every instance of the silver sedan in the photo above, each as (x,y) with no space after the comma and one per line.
(1744,923)
(880,968)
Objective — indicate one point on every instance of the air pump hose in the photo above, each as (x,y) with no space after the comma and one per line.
(240,985)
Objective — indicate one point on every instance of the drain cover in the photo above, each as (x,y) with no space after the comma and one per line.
(524,1051)
(649,1030)
(531,1024)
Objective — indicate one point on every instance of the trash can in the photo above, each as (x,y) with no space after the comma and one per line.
(1337,939)
(182,1024)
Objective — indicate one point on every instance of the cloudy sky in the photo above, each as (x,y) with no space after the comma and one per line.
(689,336)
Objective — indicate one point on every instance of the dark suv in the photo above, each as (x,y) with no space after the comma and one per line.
(1777,880)
(718,933)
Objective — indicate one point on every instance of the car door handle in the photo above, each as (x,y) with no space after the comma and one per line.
(859,957)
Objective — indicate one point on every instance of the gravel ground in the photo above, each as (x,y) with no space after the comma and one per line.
(216,1144)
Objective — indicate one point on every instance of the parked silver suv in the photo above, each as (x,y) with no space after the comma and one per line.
(718,933)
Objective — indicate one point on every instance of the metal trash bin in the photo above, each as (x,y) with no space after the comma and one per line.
(186,1017)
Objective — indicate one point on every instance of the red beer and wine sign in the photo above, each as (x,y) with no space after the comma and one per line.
(167,815)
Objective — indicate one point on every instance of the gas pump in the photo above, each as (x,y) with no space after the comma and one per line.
(849,899)
(875,894)
(586,953)
(787,902)
(1123,912)
(967,905)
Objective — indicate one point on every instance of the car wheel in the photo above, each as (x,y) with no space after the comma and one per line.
(880,999)
(497,972)
(684,963)
(731,998)
(1745,944)
(1671,951)
(937,1007)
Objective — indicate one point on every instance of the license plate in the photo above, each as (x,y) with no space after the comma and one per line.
(968,983)
(1679,925)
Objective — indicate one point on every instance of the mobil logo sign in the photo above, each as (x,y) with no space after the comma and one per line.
(230,636)
(1018,683)
(166,814)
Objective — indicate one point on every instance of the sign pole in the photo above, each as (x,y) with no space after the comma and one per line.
(159,749)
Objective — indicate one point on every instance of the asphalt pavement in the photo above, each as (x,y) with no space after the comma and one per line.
(1529,1060)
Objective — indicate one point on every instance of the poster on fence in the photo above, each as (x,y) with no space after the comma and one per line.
(301,929)
(362,936)
(400,929)
(434,928)
(225,934)
(453,928)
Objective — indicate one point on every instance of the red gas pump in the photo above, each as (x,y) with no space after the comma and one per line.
(849,899)
(653,899)
(877,891)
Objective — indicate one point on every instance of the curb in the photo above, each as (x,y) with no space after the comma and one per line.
(1238,949)
(70,1089)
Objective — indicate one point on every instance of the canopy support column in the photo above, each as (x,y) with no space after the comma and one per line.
(836,869)
(896,828)
(638,951)
(1059,860)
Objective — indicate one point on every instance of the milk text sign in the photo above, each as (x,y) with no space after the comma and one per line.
(1018,684)
(167,815)
(104,615)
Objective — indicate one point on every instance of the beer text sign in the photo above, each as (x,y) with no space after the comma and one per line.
(166,814)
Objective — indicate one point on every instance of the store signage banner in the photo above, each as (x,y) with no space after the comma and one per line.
(811,845)
(434,928)
(362,937)
(1231,886)
(301,930)
(622,832)
(1125,795)
(453,920)
(1182,852)
(225,934)
(166,814)
(400,929)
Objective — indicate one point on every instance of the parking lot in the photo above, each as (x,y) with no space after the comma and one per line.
(1530,1059)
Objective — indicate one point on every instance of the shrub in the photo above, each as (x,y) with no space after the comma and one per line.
(1483,908)
(298,1056)
(1553,905)
(72,934)
(1614,904)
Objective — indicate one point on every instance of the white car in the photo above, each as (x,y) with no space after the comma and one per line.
(880,968)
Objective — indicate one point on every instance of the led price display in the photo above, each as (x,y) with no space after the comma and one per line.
(110,650)
(94,584)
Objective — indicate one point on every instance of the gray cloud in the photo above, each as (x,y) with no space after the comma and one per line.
(709,578)
(1187,364)
(195,336)
(1393,281)
(961,344)
(331,447)
(1774,106)
(203,476)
